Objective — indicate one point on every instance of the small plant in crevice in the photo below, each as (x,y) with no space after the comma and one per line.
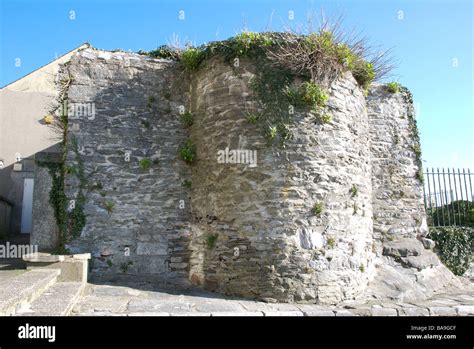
(150,101)
(71,170)
(271,133)
(125,266)
(109,263)
(146,124)
(317,208)
(251,118)
(419,175)
(211,240)
(187,119)
(331,243)
(144,164)
(187,151)
(167,95)
(354,190)
(187,183)
(393,87)
(362,268)
(156,161)
(109,206)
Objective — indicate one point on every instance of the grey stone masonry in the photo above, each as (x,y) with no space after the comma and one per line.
(245,229)
(269,243)
(137,209)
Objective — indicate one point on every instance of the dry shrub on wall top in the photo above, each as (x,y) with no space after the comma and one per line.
(326,52)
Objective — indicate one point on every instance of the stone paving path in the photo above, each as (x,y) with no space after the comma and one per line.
(142,300)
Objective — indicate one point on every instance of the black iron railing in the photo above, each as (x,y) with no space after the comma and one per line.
(448,197)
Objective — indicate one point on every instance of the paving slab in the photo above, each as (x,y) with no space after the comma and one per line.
(58,300)
(18,291)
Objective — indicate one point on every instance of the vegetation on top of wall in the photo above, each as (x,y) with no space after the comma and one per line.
(316,59)
(393,86)
(321,55)
(163,51)
(455,246)
(191,58)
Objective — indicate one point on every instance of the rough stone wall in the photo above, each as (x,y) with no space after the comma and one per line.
(45,233)
(407,269)
(284,251)
(240,229)
(136,112)
(397,192)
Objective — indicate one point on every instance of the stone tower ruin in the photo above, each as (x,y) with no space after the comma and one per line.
(335,214)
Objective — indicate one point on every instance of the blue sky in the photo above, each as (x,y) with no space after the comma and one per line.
(433,44)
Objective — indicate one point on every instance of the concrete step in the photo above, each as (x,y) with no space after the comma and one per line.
(20,290)
(58,300)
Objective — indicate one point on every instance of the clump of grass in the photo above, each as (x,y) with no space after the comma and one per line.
(187,119)
(109,206)
(326,118)
(125,266)
(252,118)
(393,87)
(163,51)
(318,208)
(149,102)
(211,240)
(187,152)
(144,164)
(364,73)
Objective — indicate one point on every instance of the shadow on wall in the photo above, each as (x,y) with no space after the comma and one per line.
(21,198)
